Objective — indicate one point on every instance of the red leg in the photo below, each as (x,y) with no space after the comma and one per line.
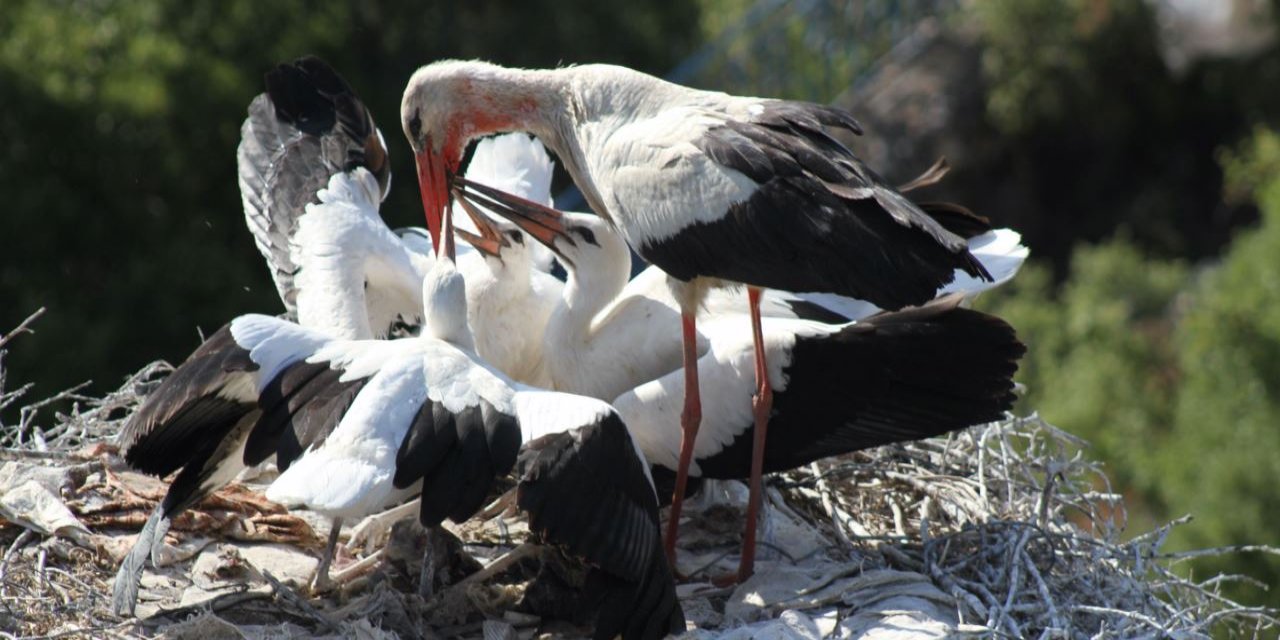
(762,404)
(690,418)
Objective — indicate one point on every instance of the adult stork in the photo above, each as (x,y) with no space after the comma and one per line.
(884,378)
(430,416)
(709,187)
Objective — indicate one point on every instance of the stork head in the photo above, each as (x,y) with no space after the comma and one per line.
(589,242)
(447,104)
(582,241)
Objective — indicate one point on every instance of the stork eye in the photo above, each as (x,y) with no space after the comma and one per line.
(415,126)
(516,237)
(587,235)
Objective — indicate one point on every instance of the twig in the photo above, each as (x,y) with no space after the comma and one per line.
(23,327)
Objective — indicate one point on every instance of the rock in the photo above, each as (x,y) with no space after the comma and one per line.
(286,563)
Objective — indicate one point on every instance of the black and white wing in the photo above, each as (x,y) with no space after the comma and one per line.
(895,377)
(308,126)
(588,490)
(758,192)
(196,423)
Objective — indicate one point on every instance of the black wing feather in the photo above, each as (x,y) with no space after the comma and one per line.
(315,420)
(301,406)
(458,456)
(190,412)
(896,377)
(282,396)
(820,220)
(308,126)
(586,490)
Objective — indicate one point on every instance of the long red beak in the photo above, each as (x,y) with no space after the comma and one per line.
(433,183)
(545,224)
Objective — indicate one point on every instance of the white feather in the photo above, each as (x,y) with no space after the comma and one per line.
(514,163)
(657,183)
(519,165)
(457,380)
(350,474)
(354,274)
(726,379)
(274,344)
(541,412)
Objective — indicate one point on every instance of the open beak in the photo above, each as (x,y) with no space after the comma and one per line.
(433,183)
(490,241)
(545,224)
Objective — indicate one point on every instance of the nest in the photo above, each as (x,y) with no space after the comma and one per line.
(1007,529)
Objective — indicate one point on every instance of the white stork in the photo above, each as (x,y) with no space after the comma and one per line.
(709,187)
(840,388)
(307,128)
(339,270)
(609,334)
(510,293)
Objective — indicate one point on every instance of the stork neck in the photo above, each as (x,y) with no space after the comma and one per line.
(590,287)
(444,296)
(550,105)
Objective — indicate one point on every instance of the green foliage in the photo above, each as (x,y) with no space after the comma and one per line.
(1099,360)
(119,129)
(1174,379)
(1103,135)
(1225,464)
(812,50)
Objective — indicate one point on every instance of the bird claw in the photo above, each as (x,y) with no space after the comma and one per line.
(376,527)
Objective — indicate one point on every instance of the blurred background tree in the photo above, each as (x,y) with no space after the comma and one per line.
(1132,143)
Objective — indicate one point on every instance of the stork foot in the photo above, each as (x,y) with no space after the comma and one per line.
(376,528)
